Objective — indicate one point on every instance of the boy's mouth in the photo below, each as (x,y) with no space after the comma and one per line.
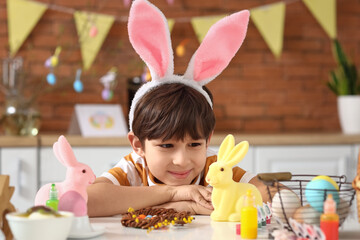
(180,175)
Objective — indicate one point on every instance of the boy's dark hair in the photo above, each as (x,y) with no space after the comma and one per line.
(173,110)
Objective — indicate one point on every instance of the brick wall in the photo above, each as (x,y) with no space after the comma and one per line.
(256,93)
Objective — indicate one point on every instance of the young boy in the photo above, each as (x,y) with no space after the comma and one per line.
(170,136)
(171,122)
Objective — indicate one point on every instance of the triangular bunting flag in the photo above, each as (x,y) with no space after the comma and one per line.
(325,13)
(171,23)
(90,45)
(270,20)
(22,18)
(202,25)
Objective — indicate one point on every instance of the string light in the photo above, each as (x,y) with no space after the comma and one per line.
(127,3)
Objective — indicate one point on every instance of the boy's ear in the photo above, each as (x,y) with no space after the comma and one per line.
(136,144)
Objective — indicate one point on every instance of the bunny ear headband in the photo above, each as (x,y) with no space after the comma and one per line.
(150,36)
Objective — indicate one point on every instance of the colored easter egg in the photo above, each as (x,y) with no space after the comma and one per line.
(78,86)
(287,200)
(48,63)
(54,61)
(315,193)
(107,94)
(93,31)
(51,79)
(327,178)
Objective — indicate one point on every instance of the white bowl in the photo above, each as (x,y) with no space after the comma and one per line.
(24,228)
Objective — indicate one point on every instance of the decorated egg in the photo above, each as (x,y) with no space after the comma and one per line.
(318,188)
(93,31)
(284,204)
(307,214)
(78,86)
(51,79)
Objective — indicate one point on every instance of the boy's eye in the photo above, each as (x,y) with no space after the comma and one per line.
(166,145)
(195,144)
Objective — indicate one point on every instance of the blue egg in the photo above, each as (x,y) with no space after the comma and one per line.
(315,193)
(51,79)
(78,86)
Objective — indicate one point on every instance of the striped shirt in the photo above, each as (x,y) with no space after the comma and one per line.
(132,170)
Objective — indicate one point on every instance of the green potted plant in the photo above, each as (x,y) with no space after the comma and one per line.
(345,83)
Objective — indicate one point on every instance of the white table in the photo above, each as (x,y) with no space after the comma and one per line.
(201,228)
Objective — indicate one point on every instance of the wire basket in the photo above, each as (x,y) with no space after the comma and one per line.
(290,197)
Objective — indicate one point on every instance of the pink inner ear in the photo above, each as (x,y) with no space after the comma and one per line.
(149,35)
(220,45)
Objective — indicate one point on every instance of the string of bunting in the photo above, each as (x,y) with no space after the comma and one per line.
(92,28)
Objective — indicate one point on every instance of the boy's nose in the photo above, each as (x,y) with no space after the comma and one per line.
(181,158)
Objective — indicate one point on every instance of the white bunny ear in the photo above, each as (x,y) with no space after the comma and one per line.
(217,49)
(150,36)
(237,154)
(225,148)
(66,153)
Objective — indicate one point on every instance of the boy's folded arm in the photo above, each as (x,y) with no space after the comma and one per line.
(199,194)
(188,206)
(107,199)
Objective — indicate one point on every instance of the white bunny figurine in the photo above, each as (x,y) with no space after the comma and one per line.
(72,191)
(227,195)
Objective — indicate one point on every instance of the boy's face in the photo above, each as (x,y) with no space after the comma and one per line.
(175,162)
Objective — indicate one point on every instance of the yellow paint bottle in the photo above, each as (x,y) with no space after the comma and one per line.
(249,223)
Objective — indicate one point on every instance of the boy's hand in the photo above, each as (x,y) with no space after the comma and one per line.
(188,206)
(199,194)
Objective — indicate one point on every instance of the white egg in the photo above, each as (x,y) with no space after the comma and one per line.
(286,199)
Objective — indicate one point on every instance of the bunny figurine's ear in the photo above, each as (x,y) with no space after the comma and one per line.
(66,153)
(225,148)
(217,49)
(237,154)
(57,152)
(150,36)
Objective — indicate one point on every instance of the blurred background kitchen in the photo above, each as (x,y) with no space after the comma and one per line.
(276,83)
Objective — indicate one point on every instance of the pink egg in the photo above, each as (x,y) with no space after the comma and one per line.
(93,31)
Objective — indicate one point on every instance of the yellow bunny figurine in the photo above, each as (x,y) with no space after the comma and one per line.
(227,195)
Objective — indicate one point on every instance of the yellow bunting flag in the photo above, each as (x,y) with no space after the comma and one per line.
(91,43)
(202,25)
(22,18)
(270,20)
(325,13)
(171,23)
